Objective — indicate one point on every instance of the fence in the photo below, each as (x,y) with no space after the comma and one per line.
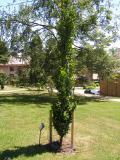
(110,87)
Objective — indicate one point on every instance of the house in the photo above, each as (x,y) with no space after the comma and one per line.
(13,66)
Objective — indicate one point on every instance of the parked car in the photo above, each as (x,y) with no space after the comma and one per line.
(87,91)
(92,91)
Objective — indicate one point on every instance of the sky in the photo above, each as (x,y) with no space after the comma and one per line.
(5,2)
(116,3)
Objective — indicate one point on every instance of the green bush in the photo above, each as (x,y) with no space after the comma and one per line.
(97,83)
(80,81)
(11,80)
(90,85)
(2,80)
(22,77)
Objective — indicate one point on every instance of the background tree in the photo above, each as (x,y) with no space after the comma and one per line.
(51,58)
(96,60)
(2,80)
(22,77)
(4,54)
(36,57)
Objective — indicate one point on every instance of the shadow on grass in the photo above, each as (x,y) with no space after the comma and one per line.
(43,98)
(81,100)
(27,99)
(29,151)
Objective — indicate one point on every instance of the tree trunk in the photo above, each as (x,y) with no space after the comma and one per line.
(61,141)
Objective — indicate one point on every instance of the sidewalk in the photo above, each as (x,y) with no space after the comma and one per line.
(115,99)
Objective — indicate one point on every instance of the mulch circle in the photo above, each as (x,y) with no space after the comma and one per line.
(65,149)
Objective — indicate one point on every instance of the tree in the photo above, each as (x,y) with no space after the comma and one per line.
(51,58)
(65,105)
(3,52)
(66,21)
(35,53)
(97,60)
(22,78)
(4,55)
(2,80)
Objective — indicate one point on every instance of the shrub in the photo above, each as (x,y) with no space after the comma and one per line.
(2,80)
(90,85)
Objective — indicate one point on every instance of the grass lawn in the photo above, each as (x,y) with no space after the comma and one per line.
(97,128)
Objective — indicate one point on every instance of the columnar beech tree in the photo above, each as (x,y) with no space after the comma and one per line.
(66,21)
(63,108)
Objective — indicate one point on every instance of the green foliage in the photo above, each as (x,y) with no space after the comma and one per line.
(34,52)
(64,22)
(22,78)
(3,52)
(62,115)
(90,85)
(65,105)
(51,58)
(2,80)
(81,80)
(97,60)
(12,79)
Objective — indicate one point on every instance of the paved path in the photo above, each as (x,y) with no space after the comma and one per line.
(115,99)
(12,90)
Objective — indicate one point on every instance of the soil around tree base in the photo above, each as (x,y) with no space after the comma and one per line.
(65,148)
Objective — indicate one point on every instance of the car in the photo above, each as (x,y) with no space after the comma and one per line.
(92,91)
(87,91)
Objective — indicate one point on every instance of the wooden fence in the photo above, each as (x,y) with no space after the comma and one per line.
(110,87)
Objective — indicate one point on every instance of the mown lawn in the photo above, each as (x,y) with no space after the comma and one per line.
(97,128)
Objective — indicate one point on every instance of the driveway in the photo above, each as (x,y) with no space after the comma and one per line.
(79,91)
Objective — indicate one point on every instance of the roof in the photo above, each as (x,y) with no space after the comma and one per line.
(17,61)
